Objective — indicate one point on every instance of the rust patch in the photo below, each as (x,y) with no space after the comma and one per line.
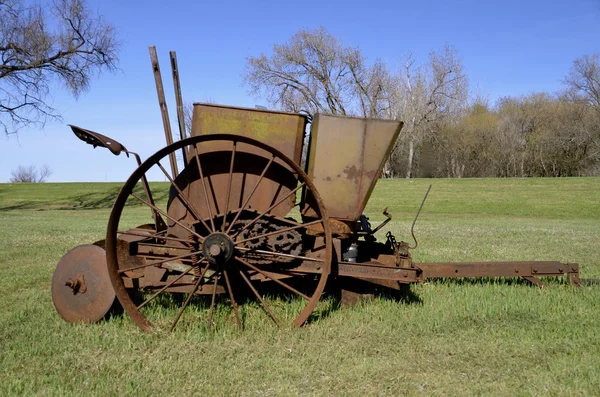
(353,173)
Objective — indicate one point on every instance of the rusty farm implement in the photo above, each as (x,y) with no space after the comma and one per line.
(245,215)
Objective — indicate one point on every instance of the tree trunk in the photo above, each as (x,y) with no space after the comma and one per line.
(543,165)
(387,170)
(411,153)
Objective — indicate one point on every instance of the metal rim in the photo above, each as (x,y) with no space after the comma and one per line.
(220,272)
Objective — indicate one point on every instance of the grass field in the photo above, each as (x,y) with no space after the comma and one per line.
(455,337)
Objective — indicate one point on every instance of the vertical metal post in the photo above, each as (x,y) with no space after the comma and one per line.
(163,108)
(179,101)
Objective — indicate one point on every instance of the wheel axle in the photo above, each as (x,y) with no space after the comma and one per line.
(218,248)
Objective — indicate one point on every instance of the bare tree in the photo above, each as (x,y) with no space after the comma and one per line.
(583,80)
(424,95)
(59,41)
(30,174)
(314,72)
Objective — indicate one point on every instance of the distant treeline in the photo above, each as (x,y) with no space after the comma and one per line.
(535,135)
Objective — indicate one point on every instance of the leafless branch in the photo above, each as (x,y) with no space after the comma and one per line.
(61,42)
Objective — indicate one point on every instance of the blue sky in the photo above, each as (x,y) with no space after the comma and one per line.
(508,48)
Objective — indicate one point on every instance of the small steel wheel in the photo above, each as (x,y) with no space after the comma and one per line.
(239,217)
(81,288)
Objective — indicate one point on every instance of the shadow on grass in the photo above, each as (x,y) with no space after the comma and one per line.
(335,298)
(94,201)
(85,201)
(22,205)
(351,291)
(340,293)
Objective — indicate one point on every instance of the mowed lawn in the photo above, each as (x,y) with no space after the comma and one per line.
(453,337)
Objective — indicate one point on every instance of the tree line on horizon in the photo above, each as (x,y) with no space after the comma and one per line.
(447,132)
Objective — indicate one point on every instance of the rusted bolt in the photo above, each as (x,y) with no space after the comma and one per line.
(73,284)
(77,284)
(516,270)
(535,269)
(560,269)
(405,274)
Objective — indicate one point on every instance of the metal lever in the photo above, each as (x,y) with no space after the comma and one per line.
(389,218)
(415,221)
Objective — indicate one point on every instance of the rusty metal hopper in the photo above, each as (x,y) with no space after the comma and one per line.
(346,157)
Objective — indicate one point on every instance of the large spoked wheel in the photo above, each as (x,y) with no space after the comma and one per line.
(240,216)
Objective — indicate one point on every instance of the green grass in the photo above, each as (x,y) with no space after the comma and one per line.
(472,337)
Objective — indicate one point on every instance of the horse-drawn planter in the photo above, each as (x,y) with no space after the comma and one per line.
(245,213)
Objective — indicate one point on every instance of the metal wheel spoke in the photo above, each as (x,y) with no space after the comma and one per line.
(265,306)
(172,258)
(182,197)
(169,217)
(163,289)
(158,221)
(151,245)
(273,253)
(267,210)
(256,269)
(186,303)
(130,233)
(212,301)
(287,229)
(228,194)
(212,222)
(260,178)
(232,299)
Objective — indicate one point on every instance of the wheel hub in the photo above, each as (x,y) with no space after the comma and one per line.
(218,248)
